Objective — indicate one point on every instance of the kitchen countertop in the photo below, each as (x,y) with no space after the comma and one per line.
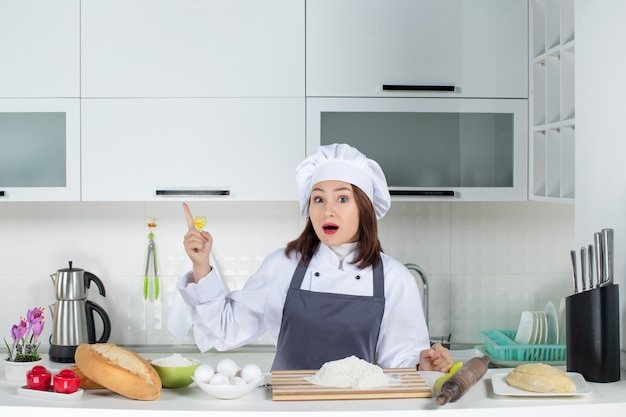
(191,401)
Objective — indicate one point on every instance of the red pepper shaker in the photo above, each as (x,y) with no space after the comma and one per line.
(66,382)
(38,378)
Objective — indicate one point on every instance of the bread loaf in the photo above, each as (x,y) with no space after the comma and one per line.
(539,377)
(119,369)
(85,383)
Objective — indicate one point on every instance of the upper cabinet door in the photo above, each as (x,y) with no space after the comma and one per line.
(39,48)
(477,48)
(211,149)
(192,48)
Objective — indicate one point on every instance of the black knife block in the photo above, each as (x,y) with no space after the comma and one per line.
(592,334)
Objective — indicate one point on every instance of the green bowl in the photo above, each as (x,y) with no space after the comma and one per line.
(176,376)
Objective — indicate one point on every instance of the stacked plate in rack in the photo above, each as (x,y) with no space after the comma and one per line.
(539,327)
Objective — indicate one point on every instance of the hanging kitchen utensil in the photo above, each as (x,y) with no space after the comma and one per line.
(152,223)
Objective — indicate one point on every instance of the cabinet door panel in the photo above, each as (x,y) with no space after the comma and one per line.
(356,46)
(192,48)
(39,46)
(39,150)
(133,147)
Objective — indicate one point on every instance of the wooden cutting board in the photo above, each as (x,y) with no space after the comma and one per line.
(293,386)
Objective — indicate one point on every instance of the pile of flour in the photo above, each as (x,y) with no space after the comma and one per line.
(350,372)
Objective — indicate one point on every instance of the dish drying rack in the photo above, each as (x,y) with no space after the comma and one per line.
(500,345)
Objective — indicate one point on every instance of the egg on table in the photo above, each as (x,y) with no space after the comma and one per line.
(227,367)
(203,373)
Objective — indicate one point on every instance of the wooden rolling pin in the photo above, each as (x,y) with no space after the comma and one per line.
(460,382)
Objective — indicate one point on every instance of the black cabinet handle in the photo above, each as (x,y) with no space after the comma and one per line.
(398,87)
(225,192)
(423,193)
(1,193)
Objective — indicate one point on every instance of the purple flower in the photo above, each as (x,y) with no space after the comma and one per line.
(19,330)
(35,321)
(25,335)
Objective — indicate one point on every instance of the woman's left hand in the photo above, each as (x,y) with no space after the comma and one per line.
(437,358)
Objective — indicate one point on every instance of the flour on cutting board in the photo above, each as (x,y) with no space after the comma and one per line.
(350,372)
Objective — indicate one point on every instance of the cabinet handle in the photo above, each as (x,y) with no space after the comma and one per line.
(1,193)
(224,192)
(423,193)
(398,87)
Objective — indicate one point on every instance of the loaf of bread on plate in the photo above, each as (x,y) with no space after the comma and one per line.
(85,383)
(539,377)
(119,370)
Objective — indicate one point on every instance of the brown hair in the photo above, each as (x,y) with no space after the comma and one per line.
(369,247)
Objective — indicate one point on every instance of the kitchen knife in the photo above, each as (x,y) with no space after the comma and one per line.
(607,245)
(574,269)
(583,268)
(597,241)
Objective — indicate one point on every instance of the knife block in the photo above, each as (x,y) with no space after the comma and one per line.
(592,334)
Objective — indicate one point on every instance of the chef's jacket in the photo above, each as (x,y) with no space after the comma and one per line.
(227,321)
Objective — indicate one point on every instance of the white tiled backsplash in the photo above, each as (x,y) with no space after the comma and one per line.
(486,262)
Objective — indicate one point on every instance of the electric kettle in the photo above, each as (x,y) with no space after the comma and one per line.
(73,314)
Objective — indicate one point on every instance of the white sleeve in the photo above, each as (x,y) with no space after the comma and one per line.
(403,333)
(224,321)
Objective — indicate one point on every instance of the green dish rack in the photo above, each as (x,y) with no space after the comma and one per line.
(500,345)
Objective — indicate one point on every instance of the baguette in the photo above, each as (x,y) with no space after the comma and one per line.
(539,377)
(85,383)
(119,370)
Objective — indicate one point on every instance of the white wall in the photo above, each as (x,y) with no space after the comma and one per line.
(486,262)
(600,138)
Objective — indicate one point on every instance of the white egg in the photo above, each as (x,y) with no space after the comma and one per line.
(219,379)
(237,381)
(203,373)
(251,372)
(227,367)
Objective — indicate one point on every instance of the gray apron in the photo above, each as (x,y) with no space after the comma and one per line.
(318,327)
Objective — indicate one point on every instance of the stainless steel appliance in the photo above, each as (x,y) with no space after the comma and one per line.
(73,314)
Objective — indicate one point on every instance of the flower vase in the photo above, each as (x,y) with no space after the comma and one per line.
(16,371)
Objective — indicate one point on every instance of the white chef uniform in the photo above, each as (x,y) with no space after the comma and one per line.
(227,321)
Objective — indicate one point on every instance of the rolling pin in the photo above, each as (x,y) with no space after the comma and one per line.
(458,384)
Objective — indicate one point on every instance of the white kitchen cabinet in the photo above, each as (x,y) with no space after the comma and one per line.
(39,149)
(192,48)
(432,149)
(551,101)
(477,48)
(39,48)
(210,149)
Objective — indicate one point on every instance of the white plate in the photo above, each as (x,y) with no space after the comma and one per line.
(500,387)
(525,328)
(229,392)
(49,395)
(553,324)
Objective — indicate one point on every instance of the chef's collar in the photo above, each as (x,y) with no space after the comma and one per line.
(343,250)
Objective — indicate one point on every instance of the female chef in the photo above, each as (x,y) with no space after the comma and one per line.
(332,292)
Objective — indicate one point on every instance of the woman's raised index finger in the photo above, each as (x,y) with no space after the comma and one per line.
(188,216)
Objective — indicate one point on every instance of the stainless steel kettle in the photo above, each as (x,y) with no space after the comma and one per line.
(73,314)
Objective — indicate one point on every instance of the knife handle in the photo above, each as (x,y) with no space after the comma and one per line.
(607,246)
(590,264)
(583,268)
(597,241)
(572,254)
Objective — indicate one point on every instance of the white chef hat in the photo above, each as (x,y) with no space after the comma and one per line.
(341,162)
